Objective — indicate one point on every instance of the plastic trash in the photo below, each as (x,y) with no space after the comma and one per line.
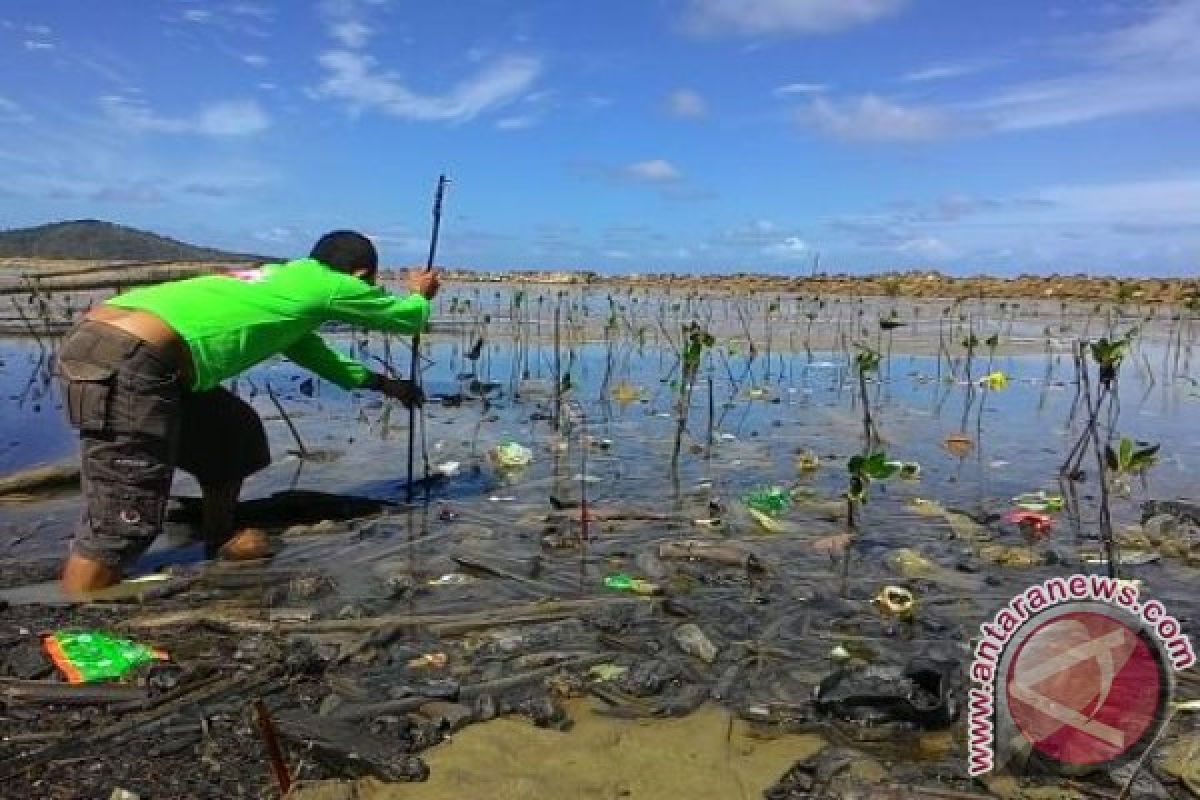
(994,381)
(908,470)
(757,393)
(1031,522)
(958,444)
(620,582)
(772,501)
(692,641)
(510,454)
(605,673)
(895,601)
(922,692)
(765,521)
(450,579)
(89,656)
(1038,501)
(448,469)
(428,661)
(808,461)
(625,393)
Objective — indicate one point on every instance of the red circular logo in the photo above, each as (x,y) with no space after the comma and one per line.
(1084,688)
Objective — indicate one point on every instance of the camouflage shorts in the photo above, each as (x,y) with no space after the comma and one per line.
(137,422)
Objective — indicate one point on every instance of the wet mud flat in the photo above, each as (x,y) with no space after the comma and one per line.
(591,595)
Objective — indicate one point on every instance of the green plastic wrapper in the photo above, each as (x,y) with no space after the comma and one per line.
(773,501)
(621,582)
(90,656)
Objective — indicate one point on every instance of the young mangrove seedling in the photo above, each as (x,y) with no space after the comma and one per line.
(695,341)
(1128,460)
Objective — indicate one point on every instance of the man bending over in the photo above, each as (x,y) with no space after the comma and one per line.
(141,381)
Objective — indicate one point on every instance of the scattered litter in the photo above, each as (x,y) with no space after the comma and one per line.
(694,642)
(958,444)
(428,661)
(1030,522)
(808,461)
(1038,501)
(909,470)
(510,454)
(773,501)
(994,381)
(90,656)
(765,521)
(448,469)
(606,673)
(896,601)
(620,582)
(625,393)
(450,579)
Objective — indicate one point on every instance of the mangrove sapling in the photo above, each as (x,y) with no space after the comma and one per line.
(1127,460)
(861,470)
(866,360)
(695,341)
(970,343)
(889,324)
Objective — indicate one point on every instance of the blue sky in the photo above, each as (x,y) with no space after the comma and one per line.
(624,135)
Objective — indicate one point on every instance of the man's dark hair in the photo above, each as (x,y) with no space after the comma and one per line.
(346,251)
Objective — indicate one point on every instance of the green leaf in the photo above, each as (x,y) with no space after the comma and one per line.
(855,465)
(1125,452)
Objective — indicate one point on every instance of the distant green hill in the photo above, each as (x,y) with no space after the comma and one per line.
(104,241)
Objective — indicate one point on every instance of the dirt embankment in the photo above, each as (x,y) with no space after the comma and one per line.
(16,276)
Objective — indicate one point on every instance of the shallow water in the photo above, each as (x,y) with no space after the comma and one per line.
(764,413)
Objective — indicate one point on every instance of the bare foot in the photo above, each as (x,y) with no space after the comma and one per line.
(81,575)
(246,545)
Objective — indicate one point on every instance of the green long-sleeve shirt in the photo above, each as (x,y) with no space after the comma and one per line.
(233,321)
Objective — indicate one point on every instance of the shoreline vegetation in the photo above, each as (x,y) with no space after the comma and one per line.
(25,275)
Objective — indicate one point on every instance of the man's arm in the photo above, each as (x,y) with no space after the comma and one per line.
(374,308)
(311,352)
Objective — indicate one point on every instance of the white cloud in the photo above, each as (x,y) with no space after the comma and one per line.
(32,45)
(1160,201)
(38,30)
(197,15)
(652,171)
(351,33)
(255,59)
(758,17)
(516,123)
(355,78)
(872,118)
(790,247)
(686,104)
(946,71)
(224,119)
(799,88)
(1152,65)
